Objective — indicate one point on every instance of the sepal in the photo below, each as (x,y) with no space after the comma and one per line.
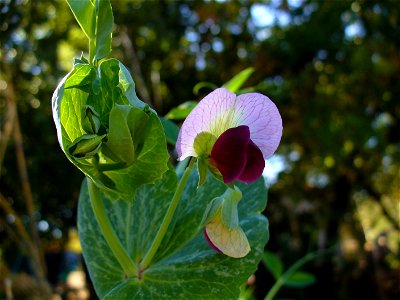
(202,169)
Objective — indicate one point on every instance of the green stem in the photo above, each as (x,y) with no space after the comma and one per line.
(297,265)
(109,235)
(92,50)
(167,218)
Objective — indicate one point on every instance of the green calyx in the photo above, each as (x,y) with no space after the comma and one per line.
(226,206)
(203,144)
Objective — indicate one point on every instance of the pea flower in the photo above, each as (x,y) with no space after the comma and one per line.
(222,230)
(232,134)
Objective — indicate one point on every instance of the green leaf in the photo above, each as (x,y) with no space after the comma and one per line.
(171,130)
(84,12)
(238,80)
(103,33)
(96,20)
(182,111)
(299,280)
(127,85)
(185,266)
(142,161)
(120,147)
(81,75)
(273,264)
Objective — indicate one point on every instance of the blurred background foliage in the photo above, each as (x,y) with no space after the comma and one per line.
(332,68)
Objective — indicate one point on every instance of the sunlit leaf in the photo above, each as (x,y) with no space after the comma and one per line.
(238,80)
(135,153)
(182,111)
(81,75)
(84,12)
(96,20)
(104,25)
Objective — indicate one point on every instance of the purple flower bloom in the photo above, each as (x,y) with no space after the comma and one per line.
(235,134)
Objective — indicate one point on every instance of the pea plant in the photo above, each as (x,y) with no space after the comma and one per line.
(150,230)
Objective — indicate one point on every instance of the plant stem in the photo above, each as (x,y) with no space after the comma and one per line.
(167,218)
(108,232)
(298,264)
(92,50)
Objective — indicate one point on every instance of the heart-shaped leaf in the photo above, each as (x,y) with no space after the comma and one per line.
(185,266)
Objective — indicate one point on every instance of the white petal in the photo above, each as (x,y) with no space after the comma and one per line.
(262,116)
(212,114)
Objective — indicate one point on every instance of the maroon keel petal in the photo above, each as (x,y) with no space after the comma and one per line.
(255,164)
(229,152)
(209,241)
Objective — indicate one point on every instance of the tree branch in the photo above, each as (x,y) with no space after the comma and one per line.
(8,123)
(135,65)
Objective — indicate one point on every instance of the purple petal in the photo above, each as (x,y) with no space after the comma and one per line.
(254,165)
(229,152)
(262,116)
(210,115)
(209,241)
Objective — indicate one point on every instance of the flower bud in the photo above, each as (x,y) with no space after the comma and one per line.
(86,146)
(90,120)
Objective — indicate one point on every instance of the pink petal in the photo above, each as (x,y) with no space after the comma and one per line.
(254,165)
(211,115)
(262,116)
(229,152)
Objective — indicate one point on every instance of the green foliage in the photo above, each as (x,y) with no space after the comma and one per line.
(299,280)
(128,132)
(185,265)
(273,264)
(182,111)
(292,277)
(171,130)
(96,20)
(295,279)
(84,12)
(338,97)
(234,84)
(238,80)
